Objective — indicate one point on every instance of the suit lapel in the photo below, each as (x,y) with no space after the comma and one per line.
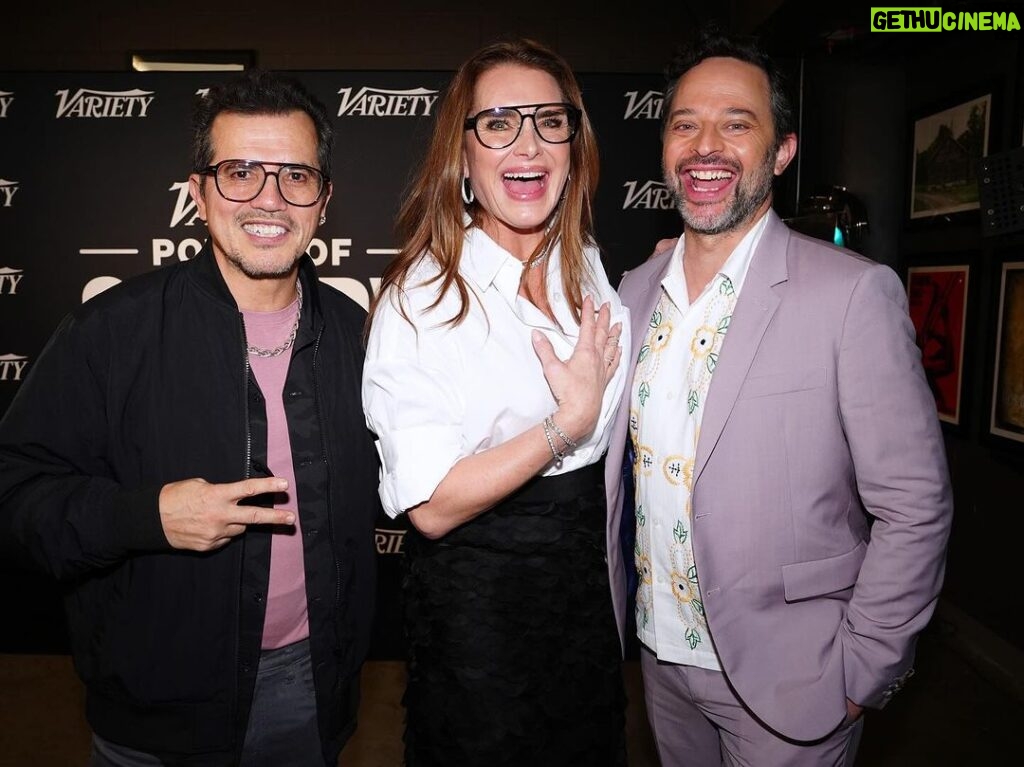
(755,308)
(640,298)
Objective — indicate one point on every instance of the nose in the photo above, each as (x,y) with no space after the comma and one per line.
(708,141)
(528,141)
(270,197)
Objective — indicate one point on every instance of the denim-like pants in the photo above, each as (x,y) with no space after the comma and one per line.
(282,727)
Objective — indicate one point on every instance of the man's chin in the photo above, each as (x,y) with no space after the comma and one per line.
(265,269)
(706,222)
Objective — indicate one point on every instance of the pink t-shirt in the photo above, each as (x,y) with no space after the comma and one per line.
(287,618)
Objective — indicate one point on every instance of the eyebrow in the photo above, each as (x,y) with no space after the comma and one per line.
(731,111)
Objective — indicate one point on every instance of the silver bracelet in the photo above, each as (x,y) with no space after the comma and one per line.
(550,421)
(551,444)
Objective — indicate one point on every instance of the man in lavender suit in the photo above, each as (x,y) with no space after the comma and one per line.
(792,498)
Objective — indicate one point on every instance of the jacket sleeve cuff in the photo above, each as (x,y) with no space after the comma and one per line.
(137,515)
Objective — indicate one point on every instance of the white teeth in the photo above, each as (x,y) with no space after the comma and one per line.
(710,175)
(524,176)
(264,230)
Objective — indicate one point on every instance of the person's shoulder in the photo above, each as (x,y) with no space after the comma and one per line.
(341,310)
(829,257)
(833,274)
(337,301)
(642,273)
(128,296)
(420,292)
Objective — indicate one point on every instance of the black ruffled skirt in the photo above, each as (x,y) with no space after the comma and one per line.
(514,657)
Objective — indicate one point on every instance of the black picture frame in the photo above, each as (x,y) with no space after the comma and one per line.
(1005,411)
(940,303)
(946,148)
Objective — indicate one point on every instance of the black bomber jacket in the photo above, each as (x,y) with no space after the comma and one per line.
(149,383)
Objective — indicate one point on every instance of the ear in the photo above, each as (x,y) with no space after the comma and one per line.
(785,153)
(195,188)
(327,197)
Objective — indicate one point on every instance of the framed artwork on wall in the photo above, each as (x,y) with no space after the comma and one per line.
(1007,412)
(948,145)
(938,307)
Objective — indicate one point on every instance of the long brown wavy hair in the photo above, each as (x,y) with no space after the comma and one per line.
(431,215)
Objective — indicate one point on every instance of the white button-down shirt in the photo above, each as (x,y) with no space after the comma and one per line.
(435,393)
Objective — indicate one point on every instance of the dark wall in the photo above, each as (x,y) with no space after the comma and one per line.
(859,105)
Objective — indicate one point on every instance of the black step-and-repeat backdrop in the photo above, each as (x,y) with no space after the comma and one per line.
(94,190)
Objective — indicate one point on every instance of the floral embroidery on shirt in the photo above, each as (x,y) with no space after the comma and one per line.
(663,551)
(674,467)
(644,595)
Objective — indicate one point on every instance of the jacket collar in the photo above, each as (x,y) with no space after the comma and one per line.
(208,277)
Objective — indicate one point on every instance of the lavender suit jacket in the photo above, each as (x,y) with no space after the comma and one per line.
(818,421)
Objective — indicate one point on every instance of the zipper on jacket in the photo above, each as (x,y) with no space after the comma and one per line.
(246,370)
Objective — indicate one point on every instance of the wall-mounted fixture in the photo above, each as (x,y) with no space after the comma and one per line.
(834,215)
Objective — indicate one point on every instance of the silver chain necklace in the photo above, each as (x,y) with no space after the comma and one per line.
(291,338)
(540,260)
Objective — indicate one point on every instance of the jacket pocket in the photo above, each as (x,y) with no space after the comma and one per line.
(803,580)
(783,383)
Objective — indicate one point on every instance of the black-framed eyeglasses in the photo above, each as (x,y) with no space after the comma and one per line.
(243,180)
(499,127)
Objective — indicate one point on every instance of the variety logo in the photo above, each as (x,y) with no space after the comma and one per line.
(184,205)
(376,102)
(389,541)
(651,195)
(645,106)
(7,190)
(12,366)
(6,99)
(9,279)
(87,103)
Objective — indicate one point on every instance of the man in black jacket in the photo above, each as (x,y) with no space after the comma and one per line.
(190,458)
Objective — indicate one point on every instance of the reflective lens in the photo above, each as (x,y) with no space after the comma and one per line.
(243,180)
(499,127)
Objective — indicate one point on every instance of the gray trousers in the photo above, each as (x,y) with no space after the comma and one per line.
(697,721)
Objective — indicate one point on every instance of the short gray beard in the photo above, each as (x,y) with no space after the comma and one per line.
(261,274)
(739,211)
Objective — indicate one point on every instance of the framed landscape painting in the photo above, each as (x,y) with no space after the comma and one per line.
(948,147)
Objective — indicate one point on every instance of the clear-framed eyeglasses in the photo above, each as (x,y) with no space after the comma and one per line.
(499,127)
(243,180)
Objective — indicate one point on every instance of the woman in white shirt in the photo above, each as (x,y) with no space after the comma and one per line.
(491,381)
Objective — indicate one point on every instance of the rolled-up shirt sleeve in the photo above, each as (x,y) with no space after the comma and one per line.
(413,406)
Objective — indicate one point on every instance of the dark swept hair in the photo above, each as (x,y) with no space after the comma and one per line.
(258,92)
(711,42)
(431,216)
